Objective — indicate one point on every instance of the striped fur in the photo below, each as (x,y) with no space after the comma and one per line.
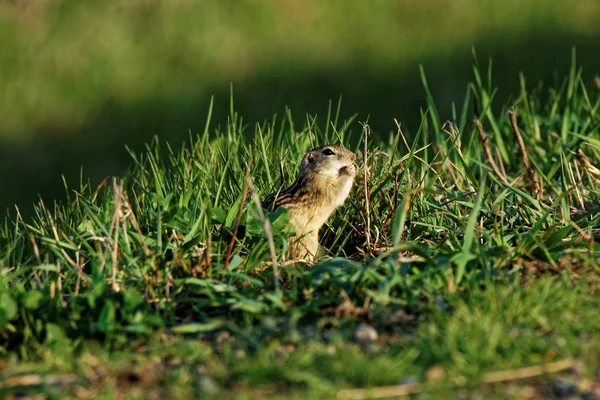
(323,183)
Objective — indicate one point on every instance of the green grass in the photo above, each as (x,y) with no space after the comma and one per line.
(123,288)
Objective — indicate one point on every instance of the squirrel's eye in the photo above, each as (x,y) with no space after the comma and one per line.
(328,152)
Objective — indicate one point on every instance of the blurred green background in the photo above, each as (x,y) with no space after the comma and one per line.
(79,80)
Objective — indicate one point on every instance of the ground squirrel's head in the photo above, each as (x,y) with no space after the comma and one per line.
(330,169)
(329,162)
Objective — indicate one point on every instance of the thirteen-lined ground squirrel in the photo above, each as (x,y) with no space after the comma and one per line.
(323,184)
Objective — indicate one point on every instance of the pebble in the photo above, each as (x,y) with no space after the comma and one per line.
(208,385)
(564,387)
(365,333)
(435,373)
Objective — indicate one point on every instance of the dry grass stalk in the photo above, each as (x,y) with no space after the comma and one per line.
(535,181)
(488,153)
(117,190)
(491,377)
(37,380)
(135,224)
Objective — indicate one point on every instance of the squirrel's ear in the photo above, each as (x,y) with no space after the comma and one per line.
(310,157)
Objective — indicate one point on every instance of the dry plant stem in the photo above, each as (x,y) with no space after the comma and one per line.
(401,134)
(488,153)
(529,372)
(451,284)
(491,377)
(115,225)
(588,165)
(367,131)
(36,380)
(135,225)
(70,262)
(576,187)
(532,175)
(238,218)
(500,162)
(267,229)
(36,251)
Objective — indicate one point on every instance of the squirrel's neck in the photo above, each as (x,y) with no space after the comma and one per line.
(321,192)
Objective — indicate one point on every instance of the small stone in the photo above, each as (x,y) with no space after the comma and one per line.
(435,373)
(564,387)
(365,333)
(239,352)
(208,385)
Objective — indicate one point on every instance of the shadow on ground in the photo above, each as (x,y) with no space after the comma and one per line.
(380,94)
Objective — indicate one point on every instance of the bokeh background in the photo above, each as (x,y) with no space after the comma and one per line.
(79,80)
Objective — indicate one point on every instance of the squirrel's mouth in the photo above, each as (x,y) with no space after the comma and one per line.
(348,170)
